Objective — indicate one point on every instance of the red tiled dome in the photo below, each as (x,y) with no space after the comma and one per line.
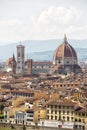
(9,61)
(65,50)
(65,59)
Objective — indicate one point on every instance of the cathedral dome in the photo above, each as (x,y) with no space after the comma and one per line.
(65,54)
(65,59)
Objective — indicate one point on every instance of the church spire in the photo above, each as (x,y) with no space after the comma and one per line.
(13,65)
(13,57)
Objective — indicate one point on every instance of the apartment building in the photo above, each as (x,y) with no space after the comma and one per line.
(62,111)
(24,118)
(19,117)
(81,118)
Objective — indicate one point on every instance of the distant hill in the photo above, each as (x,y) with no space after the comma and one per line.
(42,49)
(48,55)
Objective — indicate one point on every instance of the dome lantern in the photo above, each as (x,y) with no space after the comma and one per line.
(65,39)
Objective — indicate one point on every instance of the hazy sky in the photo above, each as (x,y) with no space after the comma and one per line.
(42,19)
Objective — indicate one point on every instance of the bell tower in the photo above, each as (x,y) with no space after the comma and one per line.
(20,59)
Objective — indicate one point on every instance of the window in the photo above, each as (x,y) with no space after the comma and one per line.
(67,118)
(55,111)
(6,112)
(63,117)
(79,120)
(56,106)
(29,119)
(75,120)
(31,115)
(51,106)
(83,114)
(79,114)
(63,112)
(19,54)
(59,117)
(55,117)
(72,118)
(67,107)
(51,117)
(47,111)
(67,112)
(47,117)
(84,120)
(51,111)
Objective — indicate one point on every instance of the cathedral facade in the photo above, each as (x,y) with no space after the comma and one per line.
(64,61)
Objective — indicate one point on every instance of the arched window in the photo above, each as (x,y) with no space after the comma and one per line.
(79,120)
(67,118)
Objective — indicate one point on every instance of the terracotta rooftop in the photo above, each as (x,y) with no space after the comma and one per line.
(58,103)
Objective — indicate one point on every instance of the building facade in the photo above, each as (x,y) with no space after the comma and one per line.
(19,117)
(62,111)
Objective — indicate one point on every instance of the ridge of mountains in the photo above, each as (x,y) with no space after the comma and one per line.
(42,50)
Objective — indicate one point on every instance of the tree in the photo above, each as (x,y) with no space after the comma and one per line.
(1,108)
(24,127)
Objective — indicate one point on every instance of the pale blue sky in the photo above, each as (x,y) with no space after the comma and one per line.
(42,19)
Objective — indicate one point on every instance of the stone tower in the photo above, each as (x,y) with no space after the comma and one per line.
(20,59)
(13,65)
(29,66)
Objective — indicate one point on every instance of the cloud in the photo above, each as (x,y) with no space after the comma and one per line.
(77,32)
(9,22)
(11,30)
(49,24)
(55,20)
(58,15)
